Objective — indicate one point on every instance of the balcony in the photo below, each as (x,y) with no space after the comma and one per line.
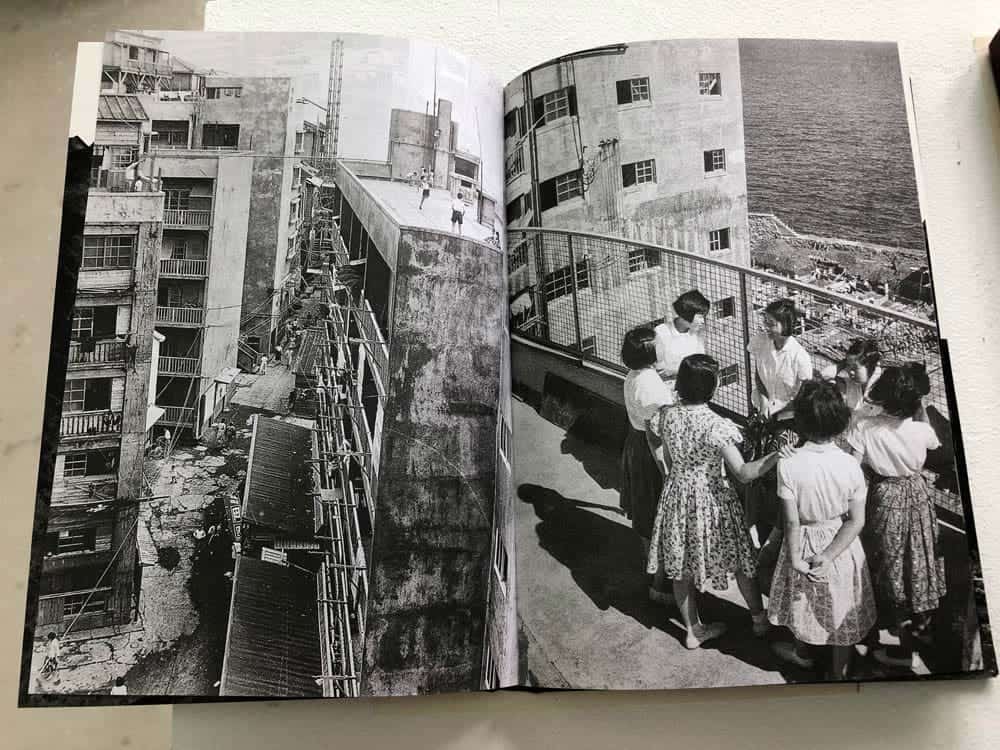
(187,218)
(97,353)
(181,416)
(182,268)
(180,316)
(583,292)
(190,366)
(91,424)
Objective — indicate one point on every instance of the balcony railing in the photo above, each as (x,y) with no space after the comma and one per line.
(182,416)
(91,424)
(619,284)
(197,267)
(111,180)
(186,217)
(179,365)
(375,344)
(180,316)
(98,352)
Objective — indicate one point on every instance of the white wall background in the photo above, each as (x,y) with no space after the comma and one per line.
(958,125)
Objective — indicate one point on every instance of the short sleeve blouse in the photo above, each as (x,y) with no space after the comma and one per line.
(645,395)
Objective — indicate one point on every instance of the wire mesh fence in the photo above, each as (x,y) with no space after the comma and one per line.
(581,293)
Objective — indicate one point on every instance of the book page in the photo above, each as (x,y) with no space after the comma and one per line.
(272,451)
(737,455)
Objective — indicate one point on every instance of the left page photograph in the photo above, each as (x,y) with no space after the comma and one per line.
(274,460)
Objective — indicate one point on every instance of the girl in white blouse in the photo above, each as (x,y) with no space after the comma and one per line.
(781,366)
(856,375)
(682,336)
(642,467)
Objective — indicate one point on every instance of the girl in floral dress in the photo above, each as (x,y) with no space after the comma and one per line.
(901,534)
(700,537)
(821,589)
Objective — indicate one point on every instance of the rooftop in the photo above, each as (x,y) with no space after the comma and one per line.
(272,646)
(279,478)
(126,107)
(402,201)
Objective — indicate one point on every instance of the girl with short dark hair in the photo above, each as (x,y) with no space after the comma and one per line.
(700,537)
(821,589)
(683,335)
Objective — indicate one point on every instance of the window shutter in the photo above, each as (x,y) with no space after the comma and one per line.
(708,161)
(624,92)
(547,195)
(538,110)
(628,175)
(571,98)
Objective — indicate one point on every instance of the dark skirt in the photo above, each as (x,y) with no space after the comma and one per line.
(641,483)
(765,436)
(901,540)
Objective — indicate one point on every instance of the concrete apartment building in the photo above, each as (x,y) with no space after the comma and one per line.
(640,141)
(106,411)
(441,574)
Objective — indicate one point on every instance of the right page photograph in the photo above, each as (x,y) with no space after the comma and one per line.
(737,458)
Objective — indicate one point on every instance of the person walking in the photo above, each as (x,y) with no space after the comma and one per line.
(425,191)
(52,651)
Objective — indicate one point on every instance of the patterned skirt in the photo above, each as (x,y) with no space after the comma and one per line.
(836,612)
(699,533)
(901,537)
(641,483)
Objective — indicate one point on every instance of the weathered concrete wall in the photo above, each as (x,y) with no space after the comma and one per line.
(366,168)
(226,262)
(426,620)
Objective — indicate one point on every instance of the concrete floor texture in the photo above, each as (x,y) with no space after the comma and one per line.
(581,591)
(403,202)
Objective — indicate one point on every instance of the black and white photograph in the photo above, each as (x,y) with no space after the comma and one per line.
(273,466)
(735,448)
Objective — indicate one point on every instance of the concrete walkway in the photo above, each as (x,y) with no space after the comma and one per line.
(581,590)
(403,201)
(267,392)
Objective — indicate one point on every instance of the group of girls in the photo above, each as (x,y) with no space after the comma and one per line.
(839,529)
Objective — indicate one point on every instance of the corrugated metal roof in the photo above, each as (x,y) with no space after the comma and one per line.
(272,644)
(120,107)
(279,478)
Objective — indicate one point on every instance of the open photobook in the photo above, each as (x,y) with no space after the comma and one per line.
(371,376)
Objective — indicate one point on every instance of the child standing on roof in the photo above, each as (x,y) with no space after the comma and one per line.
(425,190)
(457,213)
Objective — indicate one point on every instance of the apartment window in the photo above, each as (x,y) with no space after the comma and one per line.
(715,160)
(70,540)
(107,84)
(102,252)
(640,258)
(96,162)
(87,394)
(556,190)
(296,176)
(513,123)
(122,157)
(218,92)
(177,200)
(87,603)
(220,136)
(133,53)
(639,173)
(170,134)
(728,375)
(718,239)
(633,90)
(555,105)
(589,346)
(500,561)
(90,463)
(517,256)
(710,84)
(299,137)
(514,164)
(516,208)
(560,282)
(94,322)
(725,308)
